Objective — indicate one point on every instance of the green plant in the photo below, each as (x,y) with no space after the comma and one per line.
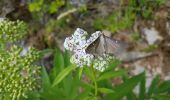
(125,15)
(117,20)
(64,80)
(158,90)
(135,36)
(46,6)
(93,79)
(18,75)
(67,82)
(151,48)
(55,24)
(145,8)
(11,31)
(42,8)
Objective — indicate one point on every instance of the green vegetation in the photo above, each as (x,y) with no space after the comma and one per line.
(68,82)
(22,77)
(115,21)
(124,17)
(18,73)
(11,31)
(151,48)
(45,6)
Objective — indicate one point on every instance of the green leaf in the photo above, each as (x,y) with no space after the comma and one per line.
(32,96)
(58,60)
(54,93)
(164,87)
(55,5)
(75,86)
(105,90)
(62,75)
(126,87)
(7,97)
(87,85)
(58,64)
(113,65)
(153,87)
(88,72)
(130,96)
(33,7)
(66,58)
(80,72)
(110,74)
(83,95)
(45,79)
(161,97)
(45,51)
(142,89)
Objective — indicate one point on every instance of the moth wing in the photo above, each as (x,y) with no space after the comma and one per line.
(100,50)
(115,47)
(91,49)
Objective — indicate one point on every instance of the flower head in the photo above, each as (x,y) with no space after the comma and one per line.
(78,43)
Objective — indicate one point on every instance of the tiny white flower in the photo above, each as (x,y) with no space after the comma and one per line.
(78,43)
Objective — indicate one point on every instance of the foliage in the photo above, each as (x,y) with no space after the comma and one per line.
(145,8)
(135,36)
(125,16)
(67,82)
(151,48)
(55,24)
(116,21)
(45,6)
(42,8)
(18,75)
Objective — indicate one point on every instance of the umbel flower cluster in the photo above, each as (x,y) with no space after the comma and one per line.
(12,30)
(78,43)
(18,74)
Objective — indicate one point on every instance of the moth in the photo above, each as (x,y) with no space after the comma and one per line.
(106,45)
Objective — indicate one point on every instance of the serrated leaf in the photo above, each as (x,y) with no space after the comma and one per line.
(62,75)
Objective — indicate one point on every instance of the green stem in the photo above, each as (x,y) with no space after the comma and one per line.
(95,82)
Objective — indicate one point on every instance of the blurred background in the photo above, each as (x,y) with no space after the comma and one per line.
(143,24)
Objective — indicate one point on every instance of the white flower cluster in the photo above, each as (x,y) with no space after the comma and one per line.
(78,43)
(101,63)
